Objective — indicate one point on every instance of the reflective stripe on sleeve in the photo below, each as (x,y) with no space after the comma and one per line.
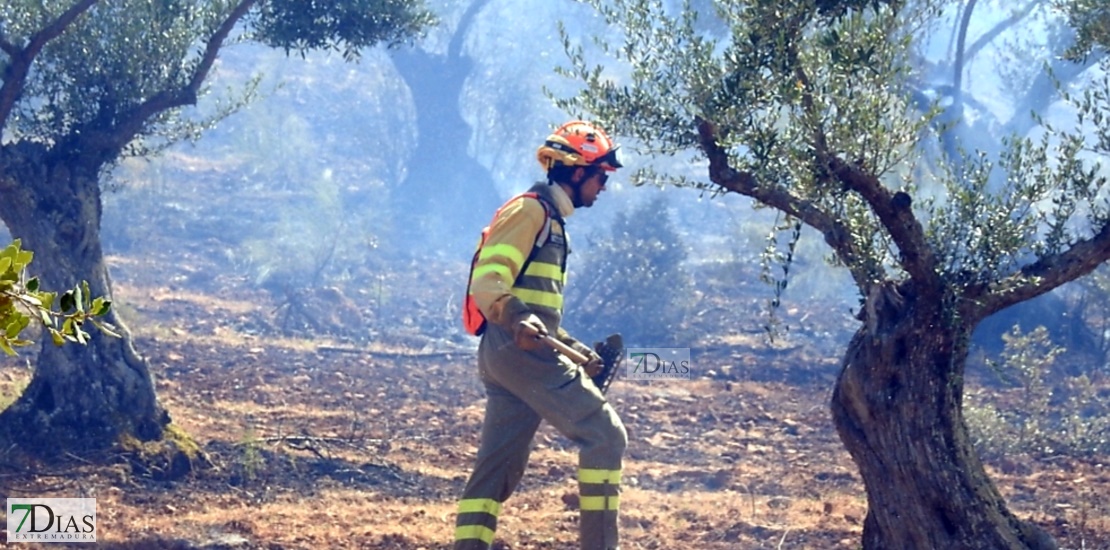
(502,270)
(506,251)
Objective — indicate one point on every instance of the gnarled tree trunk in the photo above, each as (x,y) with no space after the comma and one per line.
(80,398)
(447,196)
(897,408)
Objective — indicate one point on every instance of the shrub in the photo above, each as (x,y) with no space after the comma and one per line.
(1067,417)
(633,281)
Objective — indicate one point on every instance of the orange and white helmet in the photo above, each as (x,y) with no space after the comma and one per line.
(579,143)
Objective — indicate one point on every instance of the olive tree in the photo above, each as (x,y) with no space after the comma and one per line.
(437,82)
(803,106)
(86,83)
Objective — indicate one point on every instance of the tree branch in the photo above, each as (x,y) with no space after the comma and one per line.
(7,46)
(215,43)
(836,234)
(998,29)
(958,77)
(820,141)
(1042,276)
(454,48)
(895,212)
(133,124)
(15,78)
(893,209)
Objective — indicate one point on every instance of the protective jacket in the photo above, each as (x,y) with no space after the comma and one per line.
(501,291)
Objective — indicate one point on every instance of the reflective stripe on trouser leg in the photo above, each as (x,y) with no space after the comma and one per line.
(507,433)
(599,505)
(599,482)
(476,523)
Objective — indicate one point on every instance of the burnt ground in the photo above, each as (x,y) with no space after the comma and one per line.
(331,444)
(325,442)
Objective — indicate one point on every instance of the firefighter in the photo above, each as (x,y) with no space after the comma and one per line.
(525,380)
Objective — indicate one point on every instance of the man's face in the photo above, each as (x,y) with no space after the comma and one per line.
(592,187)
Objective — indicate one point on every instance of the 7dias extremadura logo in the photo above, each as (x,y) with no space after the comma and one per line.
(51,520)
(658,364)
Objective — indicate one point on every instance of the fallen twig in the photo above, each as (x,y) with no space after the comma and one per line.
(393,354)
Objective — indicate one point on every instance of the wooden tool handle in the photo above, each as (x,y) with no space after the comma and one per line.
(564,349)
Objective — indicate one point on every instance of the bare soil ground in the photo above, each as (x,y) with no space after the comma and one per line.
(336,444)
(328,445)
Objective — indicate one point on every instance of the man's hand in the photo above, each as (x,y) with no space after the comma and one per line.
(594,366)
(528,333)
(611,352)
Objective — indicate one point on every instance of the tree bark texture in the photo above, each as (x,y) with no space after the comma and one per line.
(897,408)
(80,398)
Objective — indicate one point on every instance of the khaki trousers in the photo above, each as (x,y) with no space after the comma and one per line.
(523,388)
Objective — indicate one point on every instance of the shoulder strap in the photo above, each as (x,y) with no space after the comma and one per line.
(549,212)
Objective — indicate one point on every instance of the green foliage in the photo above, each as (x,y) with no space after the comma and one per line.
(634,281)
(1053,195)
(1091,20)
(774,258)
(153,58)
(838,8)
(21,302)
(300,25)
(787,80)
(797,93)
(1049,418)
(251,460)
(141,48)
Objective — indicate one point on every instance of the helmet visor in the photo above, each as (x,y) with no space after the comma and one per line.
(611,160)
